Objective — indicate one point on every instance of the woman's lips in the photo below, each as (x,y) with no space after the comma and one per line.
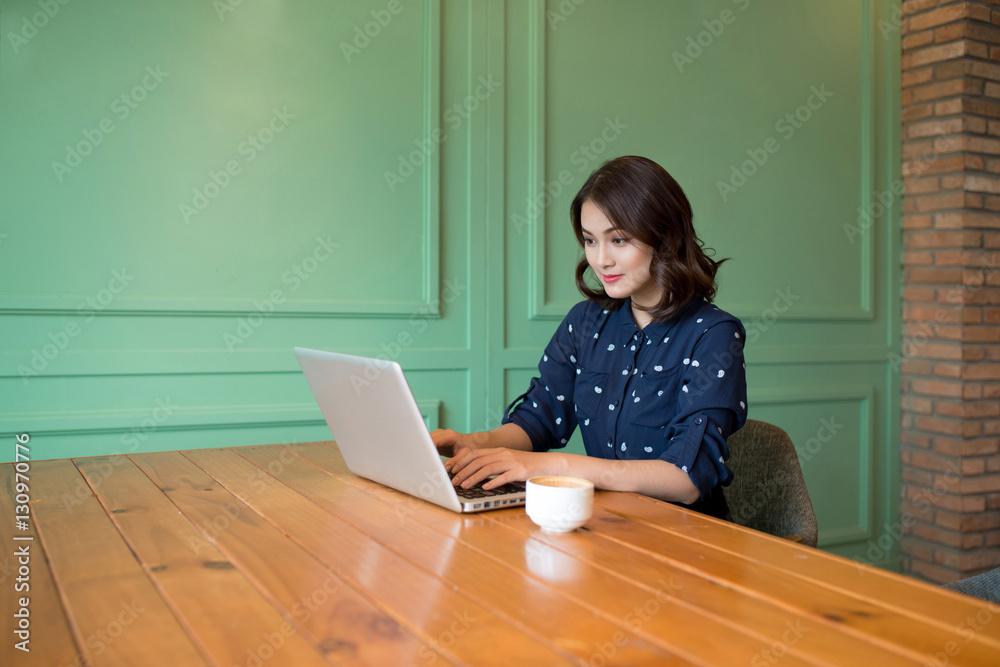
(610,278)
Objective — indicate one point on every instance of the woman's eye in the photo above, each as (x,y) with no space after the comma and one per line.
(620,240)
(587,241)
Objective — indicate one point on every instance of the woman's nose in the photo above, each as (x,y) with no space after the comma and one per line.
(603,259)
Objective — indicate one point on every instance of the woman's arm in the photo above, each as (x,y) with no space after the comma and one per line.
(510,436)
(654,478)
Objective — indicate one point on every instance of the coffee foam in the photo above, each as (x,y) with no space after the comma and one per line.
(565,482)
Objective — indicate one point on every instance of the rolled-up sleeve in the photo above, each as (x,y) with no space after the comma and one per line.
(711,405)
(545,411)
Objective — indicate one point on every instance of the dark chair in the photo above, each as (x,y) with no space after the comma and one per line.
(768,492)
(985,586)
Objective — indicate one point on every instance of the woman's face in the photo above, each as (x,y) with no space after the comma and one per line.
(621,263)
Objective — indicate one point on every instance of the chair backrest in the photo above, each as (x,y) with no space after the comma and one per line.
(768,492)
(985,586)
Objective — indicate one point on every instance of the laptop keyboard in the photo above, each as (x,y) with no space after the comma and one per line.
(480,492)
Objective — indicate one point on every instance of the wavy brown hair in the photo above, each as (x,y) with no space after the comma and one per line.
(646,204)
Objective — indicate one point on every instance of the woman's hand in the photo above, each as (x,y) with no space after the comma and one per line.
(452,443)
(475,466)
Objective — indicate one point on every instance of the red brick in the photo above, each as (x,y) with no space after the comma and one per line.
(921,186)
(978,12)
(948,520)
(934,573)
(916,439)
(946,332)
(952,181)
(913,293)
(935,54)
(971,353)
(975,67)
(910,7)
(980,447)
(967,220)
(931,128)
(968,561)
(946,108)
(934,462)
(983,409)
(992,89)
(916,367)
(982,372)
(916,112)
(980,106)
(948,258)
(941,89)
(934,166)
(916,77)
(975,124)
(917,151)
(971,541)
(937,388)
(935,239)
(937,535)
(937,425)
(917,476)
(969,30)
(938,314)
(973,466)
(916,221)
(948,371)
(936,17)
(982,183)
(950,69)
(972,315)
(939,202)
(979,522)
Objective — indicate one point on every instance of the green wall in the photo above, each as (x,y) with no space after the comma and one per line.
(190,188)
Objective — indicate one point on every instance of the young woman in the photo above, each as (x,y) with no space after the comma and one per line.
(650,371)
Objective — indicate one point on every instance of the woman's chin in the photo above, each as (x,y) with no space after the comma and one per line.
(616,291)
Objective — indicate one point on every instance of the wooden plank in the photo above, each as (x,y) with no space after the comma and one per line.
(50,639)
(119,618)
(231,620)
(695,597)
(903,594)
(579,629)
(922,635)
(455,625)
(346,626)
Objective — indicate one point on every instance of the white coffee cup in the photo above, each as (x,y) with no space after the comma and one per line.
(559,504)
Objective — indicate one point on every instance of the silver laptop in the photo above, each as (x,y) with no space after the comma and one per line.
(379,429)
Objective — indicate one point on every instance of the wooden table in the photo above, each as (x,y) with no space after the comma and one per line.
(278,555)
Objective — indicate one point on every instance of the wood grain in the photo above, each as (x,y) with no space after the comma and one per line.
(702,600)
(51,640)
(346,626)
(279,555)
(118,615)
(450,622)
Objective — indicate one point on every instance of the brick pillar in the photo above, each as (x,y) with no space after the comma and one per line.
(950,365)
